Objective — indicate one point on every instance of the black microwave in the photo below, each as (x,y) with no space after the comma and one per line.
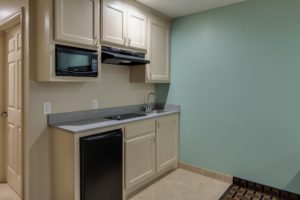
(72,61)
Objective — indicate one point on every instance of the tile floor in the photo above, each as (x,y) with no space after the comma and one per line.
(6,193)
(184,185)
(179,185)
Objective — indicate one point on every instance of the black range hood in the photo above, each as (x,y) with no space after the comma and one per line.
(115,56)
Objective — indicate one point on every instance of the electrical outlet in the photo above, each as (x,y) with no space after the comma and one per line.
(47,108)
(95,104)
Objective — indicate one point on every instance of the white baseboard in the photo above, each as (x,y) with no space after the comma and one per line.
(206,172)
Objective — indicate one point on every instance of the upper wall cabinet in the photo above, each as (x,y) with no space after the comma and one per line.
(158,71)
(137,29)
(123,25)
(77,21)
(113,22)
(158,51)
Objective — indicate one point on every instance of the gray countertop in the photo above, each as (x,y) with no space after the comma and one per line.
(76,122)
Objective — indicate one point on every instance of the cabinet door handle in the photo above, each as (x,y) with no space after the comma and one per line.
(158,124)
(96,32)
(153,140)
(129,42)
(96,40)
(149,76)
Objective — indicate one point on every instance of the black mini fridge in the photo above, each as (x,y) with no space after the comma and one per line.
(101,166)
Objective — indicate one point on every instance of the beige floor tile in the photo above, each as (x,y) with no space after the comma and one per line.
(184,185)
(6,193)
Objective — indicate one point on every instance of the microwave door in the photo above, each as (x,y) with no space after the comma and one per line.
(71,61)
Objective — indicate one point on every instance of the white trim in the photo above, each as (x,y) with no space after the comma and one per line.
(206,172)
(10,21)
(7,23)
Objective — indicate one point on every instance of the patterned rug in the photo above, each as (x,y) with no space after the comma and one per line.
(236,192)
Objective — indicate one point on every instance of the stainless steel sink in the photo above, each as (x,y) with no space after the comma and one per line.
(126,116)
(157,111)
(152,112)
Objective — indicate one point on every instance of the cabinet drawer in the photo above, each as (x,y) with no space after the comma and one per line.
(139,128)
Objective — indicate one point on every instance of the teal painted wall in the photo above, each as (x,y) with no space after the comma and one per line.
(236,74)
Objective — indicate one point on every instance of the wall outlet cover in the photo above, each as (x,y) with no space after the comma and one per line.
(47,108)
(95,104)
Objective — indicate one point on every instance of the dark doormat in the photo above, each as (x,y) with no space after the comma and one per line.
(236,192)
(247,190)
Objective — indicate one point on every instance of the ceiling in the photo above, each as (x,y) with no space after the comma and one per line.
(8,8)
(177,8)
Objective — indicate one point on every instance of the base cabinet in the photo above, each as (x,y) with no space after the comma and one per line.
(150,149)
(166,142)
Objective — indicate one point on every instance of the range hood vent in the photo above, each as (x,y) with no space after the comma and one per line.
(115,56)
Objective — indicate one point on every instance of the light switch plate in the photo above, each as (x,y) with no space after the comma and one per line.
(95,104)
(47,108)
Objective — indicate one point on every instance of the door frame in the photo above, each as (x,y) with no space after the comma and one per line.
(15,19)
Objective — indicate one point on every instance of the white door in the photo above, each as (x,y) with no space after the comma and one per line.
(158,51)
(113,22)
(77,21)
(2,112)
(14,109)
(137,29)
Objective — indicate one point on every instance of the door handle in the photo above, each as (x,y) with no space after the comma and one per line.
(4,114)
(129,42)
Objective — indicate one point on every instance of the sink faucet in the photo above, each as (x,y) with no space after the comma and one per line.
(148,105)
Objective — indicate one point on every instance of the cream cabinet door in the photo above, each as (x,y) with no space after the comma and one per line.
(166,142)
(139,159)
(77,21)
(113,22)
(137,29)
(158,51)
